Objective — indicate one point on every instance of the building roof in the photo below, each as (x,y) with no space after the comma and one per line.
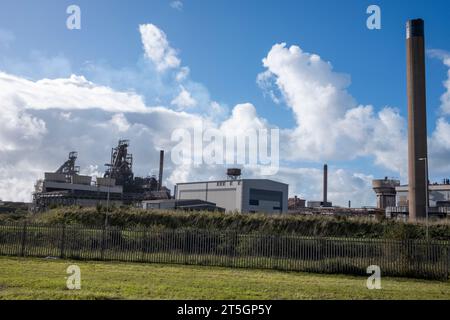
(435,187)
(227,180)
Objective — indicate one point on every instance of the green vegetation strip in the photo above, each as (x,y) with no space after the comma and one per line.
(316,226)
(33,278)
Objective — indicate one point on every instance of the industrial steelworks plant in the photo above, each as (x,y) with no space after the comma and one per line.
(118,186)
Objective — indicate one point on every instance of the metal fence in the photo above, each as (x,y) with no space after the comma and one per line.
(409,258)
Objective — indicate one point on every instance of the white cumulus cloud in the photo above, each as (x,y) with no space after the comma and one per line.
(184,99)
(68,93)
(330,125)
(157,47)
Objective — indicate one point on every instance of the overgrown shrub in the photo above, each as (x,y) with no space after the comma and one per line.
(329,226)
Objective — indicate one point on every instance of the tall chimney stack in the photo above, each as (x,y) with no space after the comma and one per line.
(161,168)
(417,118)
(325,184)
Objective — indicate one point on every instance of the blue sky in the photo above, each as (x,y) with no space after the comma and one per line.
(229,38)
(223,44)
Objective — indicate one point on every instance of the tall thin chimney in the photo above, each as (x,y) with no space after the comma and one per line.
(161,169)
(325,184)
(417,118)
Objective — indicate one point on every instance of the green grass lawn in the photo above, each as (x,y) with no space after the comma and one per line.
(33,278)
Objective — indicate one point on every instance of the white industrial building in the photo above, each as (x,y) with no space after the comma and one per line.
(241,195)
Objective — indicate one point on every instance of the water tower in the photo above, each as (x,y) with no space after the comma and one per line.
(234,173)
(385,190)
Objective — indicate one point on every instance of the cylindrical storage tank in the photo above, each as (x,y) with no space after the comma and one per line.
(385,191)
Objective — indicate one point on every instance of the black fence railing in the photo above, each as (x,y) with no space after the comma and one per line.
(408,258)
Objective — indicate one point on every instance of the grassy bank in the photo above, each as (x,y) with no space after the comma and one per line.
(45,279)
(327,226)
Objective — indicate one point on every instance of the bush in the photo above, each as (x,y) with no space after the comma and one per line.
(329,226)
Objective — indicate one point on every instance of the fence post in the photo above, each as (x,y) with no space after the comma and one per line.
(103,243)
(185,247)
(63,240)
(228,240)
(24,236)
(448,261)
(235,249)
(143,247)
